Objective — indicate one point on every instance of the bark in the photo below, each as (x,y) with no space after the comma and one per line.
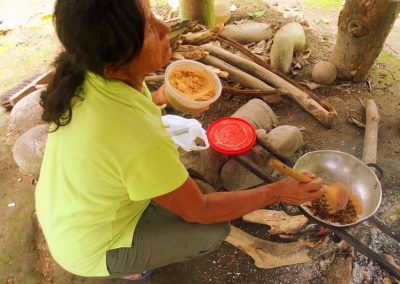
(201,11)
(362,30)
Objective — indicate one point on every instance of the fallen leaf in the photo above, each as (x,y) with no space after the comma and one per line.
(259,47)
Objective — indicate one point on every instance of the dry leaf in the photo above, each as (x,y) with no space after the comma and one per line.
(306,53)
(259,47)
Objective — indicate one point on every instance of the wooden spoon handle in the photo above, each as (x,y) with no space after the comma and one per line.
(279,166)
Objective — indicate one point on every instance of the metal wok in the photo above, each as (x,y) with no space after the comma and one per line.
(334,166)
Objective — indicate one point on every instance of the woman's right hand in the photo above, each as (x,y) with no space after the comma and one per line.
(294,192)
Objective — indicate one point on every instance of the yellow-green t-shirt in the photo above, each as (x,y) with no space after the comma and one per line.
(100,171)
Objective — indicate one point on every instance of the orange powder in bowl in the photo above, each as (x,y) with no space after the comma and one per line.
(192,83)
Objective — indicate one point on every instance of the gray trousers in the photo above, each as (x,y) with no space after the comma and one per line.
(161,238)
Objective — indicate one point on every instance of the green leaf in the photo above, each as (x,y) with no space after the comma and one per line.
(256,14)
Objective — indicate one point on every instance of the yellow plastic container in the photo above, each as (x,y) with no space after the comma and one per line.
(185,104)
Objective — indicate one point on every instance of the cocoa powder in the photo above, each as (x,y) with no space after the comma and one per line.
(192,83)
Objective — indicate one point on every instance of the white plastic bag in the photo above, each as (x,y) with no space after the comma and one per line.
(185,131)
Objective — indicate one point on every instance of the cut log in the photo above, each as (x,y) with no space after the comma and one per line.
(371,133)
(279,221)
(325,113)
(269,254)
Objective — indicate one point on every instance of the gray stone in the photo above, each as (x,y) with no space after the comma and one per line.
(29,149)
(284,139)
(204,186)
(207,164)
(235,177)
(26,114)
(258,113)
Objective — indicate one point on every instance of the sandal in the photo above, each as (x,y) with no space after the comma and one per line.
(139,276)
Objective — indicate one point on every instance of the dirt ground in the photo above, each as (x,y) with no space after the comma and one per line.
(22,257)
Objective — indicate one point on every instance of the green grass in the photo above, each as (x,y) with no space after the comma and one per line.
(327,5)
(389,68)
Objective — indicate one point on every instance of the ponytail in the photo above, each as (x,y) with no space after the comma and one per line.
(94,33)
(57,99)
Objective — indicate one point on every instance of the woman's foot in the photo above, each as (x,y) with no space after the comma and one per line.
(139,276)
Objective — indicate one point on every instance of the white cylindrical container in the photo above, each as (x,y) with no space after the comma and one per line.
(222,11)
(183,103)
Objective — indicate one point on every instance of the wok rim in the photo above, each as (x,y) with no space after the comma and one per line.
(360,220)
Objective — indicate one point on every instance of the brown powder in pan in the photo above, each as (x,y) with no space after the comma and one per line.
(348,215)
(192,83)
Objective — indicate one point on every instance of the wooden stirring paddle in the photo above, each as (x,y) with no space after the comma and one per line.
(336,193)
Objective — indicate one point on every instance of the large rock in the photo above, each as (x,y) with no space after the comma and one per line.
(235,177)
(284,140)
(258,113)
(29,149)
(205,187)
(26,114)
(206,164)
(248,32)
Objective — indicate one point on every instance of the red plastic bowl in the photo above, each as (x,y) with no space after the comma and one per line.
(231,135)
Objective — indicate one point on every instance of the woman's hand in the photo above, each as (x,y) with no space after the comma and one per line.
(159,97)
(294,192)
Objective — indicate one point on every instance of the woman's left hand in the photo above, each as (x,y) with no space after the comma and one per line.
(159,97)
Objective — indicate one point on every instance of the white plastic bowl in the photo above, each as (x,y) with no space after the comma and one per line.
(185,104)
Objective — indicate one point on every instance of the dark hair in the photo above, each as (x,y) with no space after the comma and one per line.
(94,33)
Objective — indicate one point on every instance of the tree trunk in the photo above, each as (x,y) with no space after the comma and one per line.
(362,30)
(201,11)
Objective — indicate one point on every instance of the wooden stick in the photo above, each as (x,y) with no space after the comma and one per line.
(371,133)
(279,166)
(41,80)
(324,112)
(239,92)
(237,75)
(154,78)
